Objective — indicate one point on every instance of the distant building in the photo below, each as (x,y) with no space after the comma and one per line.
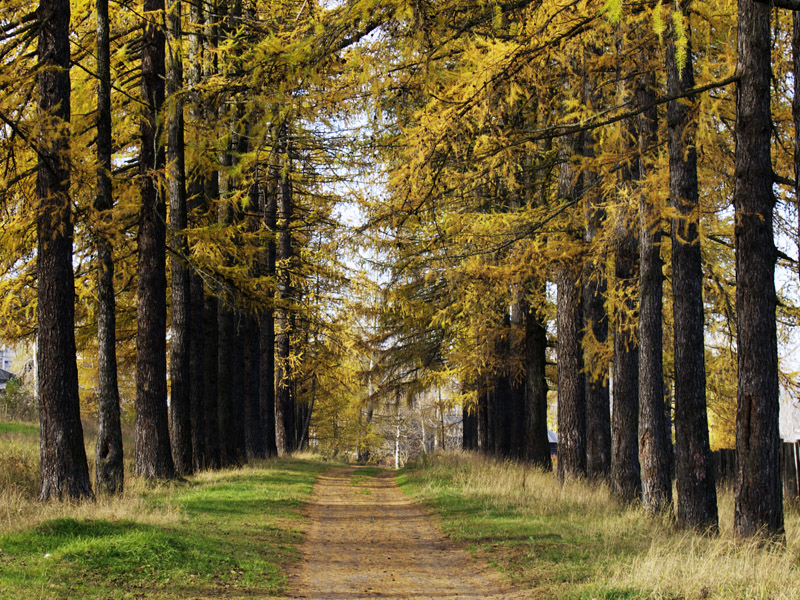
(7,356)
(4,378)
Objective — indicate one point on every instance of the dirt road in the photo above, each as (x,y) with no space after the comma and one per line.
(368,540)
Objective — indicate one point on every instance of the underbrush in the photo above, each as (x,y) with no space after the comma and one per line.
(575,541)
(218,534)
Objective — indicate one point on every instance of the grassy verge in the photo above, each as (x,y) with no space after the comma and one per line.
(221,534)
(574,542)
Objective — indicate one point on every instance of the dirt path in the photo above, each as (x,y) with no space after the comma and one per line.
(368,540)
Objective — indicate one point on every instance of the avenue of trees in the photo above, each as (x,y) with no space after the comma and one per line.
(579,196)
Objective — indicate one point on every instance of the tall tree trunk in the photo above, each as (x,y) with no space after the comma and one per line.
(571,385)
(180,407)
(152,457)
(253,419)
(285,408)
(759,502)
(196,200)
(653,430)
(210,384)
(482,410)
(538,444)
(598,408)
(269,211)
(569,317)
(109,468)
(64,470)
(469,428)
(238,390)
(225,341)
(796,112)
(694,468)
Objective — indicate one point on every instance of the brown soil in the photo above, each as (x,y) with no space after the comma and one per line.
(367,539)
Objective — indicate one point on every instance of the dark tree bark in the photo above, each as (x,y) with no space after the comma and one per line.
(626,482)
(225,340)
(571,385)
(653,429)
(196,200)
(210,384)
(269,210)
(598,407)
(759,502)
(197,373)
(153,458)
(254,421)
(109,468)
(238,390)
(569,316)
(64,470)
(694,468)
(482,410)
(538,444)
(180,407)
(469,427)
(285,412)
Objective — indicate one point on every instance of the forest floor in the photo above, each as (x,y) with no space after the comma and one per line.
(367,539)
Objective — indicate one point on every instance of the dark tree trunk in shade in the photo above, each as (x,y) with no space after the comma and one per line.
(285,412)
(180,407)
(517,381)
(694,469)
(653,429)
(759,502)
(210,384)
(253,419)
(482,413)
(571,385)
(626,481)
(469,426)
(538,444)
(598,408)
(269,210)
(64,470)
(238,391)
(225,416)
(152,456)
(196,200)
(197,368)
(109,468)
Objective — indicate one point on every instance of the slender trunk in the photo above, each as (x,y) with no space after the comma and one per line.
(109,468)
(253,419)
(152,457)
(210,384)
(538,445)
(482,412)
(285,408)
(269,210)
(238,390)
(180,415)
(796,112)
(196,200)
(653,438)
(64,470)
(759,503)
(225,341)
(694,468)
(469,426)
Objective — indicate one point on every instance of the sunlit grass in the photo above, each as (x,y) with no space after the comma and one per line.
(574,541)
(219,534)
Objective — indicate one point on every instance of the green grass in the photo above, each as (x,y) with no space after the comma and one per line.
(575,542)
(20,428)
(226,534)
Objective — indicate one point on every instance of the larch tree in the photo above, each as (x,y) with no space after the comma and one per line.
(696,504)
(109,467)
(64,470)
(153,457)
(180,341)
(759,501)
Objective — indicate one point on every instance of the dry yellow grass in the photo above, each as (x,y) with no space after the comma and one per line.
(632,555)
